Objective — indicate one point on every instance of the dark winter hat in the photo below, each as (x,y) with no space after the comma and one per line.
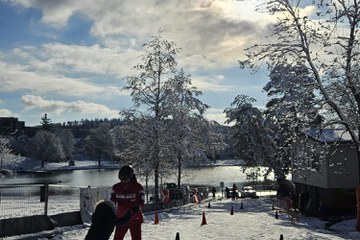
(126,170)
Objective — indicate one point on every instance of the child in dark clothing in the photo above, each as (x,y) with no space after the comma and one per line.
(104,220)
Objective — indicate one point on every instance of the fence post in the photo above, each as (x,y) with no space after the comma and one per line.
(44,196)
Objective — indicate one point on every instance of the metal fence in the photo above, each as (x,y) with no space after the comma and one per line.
(37,199)
(22,200)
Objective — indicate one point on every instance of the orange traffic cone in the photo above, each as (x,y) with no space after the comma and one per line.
(276,215)
(156,218)
(232,211)
(203,219)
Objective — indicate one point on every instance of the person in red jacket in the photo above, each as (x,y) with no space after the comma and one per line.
(128,194)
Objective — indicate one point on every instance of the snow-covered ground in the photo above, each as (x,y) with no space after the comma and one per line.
(27,164)
(255,221)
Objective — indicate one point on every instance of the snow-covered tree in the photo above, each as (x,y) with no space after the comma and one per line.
(100,143)
(46,147)
(67,142)
(20,144)
(254,141)
(137,133)
(291,109)
(148,91)
(5,150)
(292,103)
(189,133)
(163,100)
(326,41)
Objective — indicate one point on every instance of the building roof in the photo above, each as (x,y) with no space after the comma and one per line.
(329,135)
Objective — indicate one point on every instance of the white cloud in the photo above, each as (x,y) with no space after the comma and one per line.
(64,59)
(7,113)
(56,13)
(61,107)
(211,34)
(17,77)
(211,84)
(216,115)
(216,30)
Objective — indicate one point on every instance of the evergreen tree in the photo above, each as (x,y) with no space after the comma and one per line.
(45,122)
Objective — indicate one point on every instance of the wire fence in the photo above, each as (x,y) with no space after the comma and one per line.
(22,200)
(37,199)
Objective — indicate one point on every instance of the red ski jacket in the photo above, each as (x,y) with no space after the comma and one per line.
(129,196)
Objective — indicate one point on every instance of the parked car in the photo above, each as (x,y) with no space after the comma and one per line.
(247,191)
(229,193)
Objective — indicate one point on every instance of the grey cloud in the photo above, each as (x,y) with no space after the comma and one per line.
(198,27)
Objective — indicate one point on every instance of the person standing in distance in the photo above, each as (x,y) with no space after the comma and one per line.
(128,194)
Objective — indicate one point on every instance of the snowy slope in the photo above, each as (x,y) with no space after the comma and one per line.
(255,221)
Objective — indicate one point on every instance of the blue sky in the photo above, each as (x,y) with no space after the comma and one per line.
(67,58)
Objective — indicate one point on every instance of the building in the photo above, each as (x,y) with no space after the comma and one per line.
(10,125)
(326,172)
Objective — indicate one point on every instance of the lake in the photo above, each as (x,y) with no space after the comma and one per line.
(105,177)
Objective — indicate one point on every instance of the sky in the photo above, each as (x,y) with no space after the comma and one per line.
(68,58)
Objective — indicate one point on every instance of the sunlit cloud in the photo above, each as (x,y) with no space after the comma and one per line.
(211,83)
(85,74)
(17,77)
(59,107)
(7,113)
(216,114)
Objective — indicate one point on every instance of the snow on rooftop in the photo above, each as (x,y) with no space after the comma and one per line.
(329,135)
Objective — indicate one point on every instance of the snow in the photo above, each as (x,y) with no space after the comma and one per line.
(16,163)
(256,220)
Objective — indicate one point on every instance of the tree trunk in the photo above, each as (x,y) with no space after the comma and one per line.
(179,169)
(147,187)
(99,160)
(156,179)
